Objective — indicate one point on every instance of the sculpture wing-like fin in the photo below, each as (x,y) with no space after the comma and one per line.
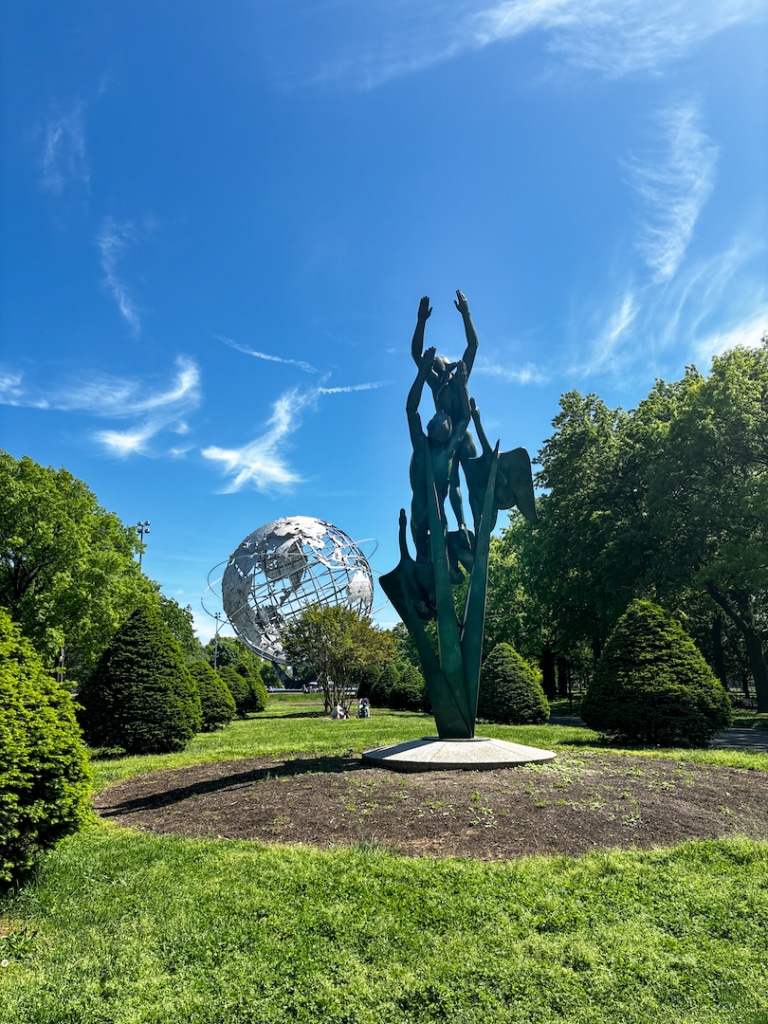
(514,483)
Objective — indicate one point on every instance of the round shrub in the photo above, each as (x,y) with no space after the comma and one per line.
(216,702)
(652,684)
(408,692)
(44,775)
(510,692)
(141,696)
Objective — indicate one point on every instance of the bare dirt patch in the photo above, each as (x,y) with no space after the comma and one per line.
(573,805)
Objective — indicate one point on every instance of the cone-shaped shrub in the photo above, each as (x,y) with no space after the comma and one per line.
(652,685)
(510,693)
(257,691)
(44,776)
(382,686)
(408,692)
(238,688)
(141,696)
(216,702)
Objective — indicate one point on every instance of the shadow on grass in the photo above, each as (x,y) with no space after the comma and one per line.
(233,780)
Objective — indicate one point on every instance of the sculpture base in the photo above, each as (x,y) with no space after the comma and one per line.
(432,754)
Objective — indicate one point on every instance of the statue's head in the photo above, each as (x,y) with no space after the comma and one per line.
(443,367)
(439,428)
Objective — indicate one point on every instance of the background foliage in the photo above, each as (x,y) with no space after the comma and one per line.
(44,775)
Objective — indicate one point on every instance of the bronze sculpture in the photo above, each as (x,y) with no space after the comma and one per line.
(420,588)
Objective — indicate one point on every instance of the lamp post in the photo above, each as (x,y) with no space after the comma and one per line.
(217,616)
(142,529)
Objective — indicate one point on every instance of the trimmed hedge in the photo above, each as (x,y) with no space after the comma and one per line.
(216,702)
(141,696)
(44,774)
(247,689)
(510,692)
(409,691)
(653,686)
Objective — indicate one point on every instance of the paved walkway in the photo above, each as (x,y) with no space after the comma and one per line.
(755,738)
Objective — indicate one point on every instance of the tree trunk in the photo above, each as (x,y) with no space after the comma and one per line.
(548,673)
(563,677)
(718,657)
(758,667)
(752,642)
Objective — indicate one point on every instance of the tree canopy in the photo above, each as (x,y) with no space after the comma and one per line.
(338,644)
(668,502)
(68,574)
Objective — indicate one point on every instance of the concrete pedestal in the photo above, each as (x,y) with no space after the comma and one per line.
(432,754)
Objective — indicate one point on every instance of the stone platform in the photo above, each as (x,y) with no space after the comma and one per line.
(432,754)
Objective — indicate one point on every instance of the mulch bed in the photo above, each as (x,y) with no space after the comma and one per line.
(576,804)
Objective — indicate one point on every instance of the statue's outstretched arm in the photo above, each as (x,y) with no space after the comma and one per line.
(417,343)
(460,302)
(414,396)
(487,450)
(460,428)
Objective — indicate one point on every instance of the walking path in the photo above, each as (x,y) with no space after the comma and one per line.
(755,738)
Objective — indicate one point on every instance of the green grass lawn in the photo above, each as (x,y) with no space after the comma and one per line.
(130,928)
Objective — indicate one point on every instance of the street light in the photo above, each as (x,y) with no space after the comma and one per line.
(142,529)
(217,616)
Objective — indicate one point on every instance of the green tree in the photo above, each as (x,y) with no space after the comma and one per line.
(510,693)
(217,705)
(269,676)
(668,502)
(709,490)
(181,622)
(68,574)
(338,644)
(652,684)
(44,775)
(141,696)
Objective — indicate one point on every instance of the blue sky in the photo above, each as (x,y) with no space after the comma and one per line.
(218,220)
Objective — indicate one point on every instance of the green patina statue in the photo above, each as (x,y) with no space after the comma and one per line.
(421,588)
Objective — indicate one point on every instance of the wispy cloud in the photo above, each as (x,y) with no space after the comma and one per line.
(749,333)
(710,305)
(11,389)
(112,241)
(611,37)
(607,351)
(64,159)
(528,374)
(347,389)
(163,410)
(262,463)
(306,367)
(673,184)
(116,398)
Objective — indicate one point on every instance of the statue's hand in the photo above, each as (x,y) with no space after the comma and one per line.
(460,302)
(461,371)
(425,310)
(428,357)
